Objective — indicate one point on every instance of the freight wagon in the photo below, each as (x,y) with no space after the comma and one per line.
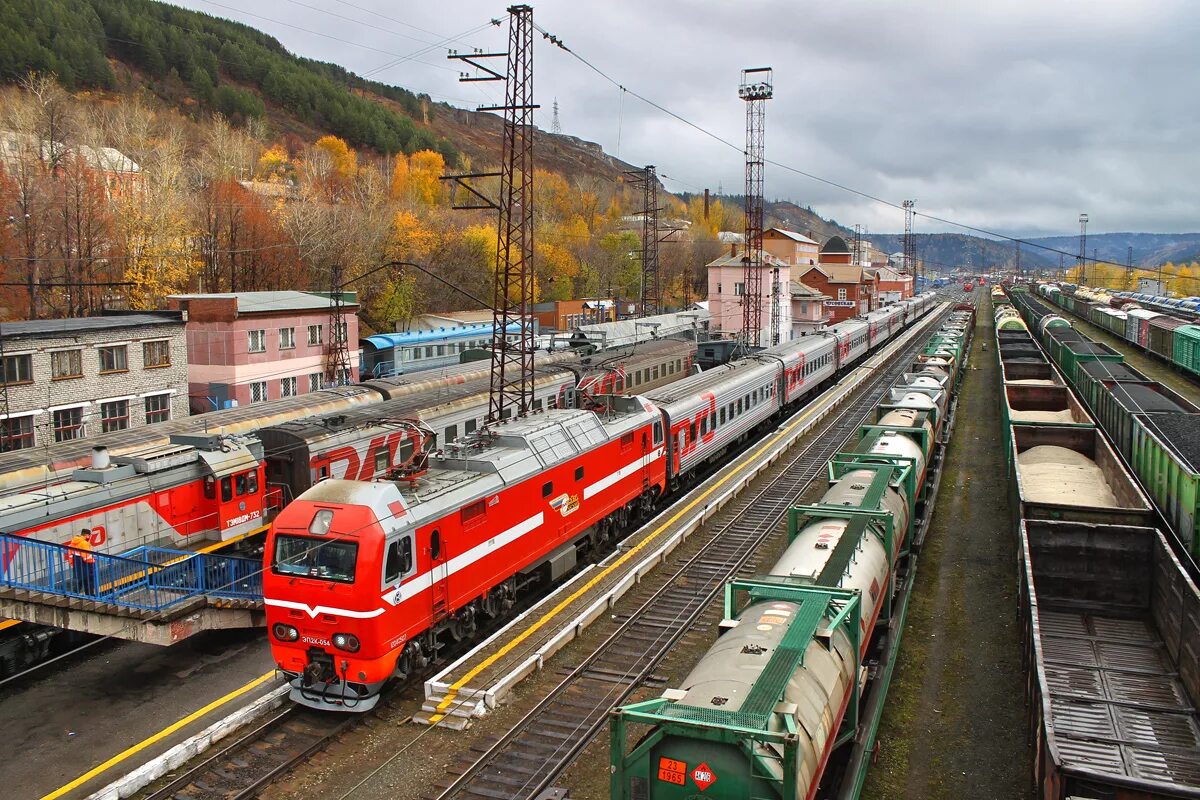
(1111,626)
(1156,431)
(1165,329)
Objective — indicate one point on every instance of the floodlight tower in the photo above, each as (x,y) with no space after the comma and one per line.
(1083,221)
(756,89)
(910,244)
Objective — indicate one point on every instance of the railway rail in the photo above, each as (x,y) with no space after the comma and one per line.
(257,758)
(533,753)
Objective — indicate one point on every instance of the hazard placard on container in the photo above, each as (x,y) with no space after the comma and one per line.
(672,771)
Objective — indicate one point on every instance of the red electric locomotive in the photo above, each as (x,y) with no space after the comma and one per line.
(378,575)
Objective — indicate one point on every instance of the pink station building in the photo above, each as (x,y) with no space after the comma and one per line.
(250,347)
(801,306)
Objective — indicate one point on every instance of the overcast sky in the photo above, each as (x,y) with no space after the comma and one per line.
(1013,116)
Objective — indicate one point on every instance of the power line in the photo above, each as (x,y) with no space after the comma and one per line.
(556,41)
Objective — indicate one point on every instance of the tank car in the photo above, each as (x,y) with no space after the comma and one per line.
(782,687)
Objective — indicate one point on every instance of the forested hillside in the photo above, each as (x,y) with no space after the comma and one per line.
(221,65)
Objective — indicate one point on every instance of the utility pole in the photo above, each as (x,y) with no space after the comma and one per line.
(555,125)
(755,89)
(651,294)
(857,243)
(1083,221)
(512,297)
(1061,263)
(1018,265)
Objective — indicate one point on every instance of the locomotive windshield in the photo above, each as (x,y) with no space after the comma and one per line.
(310,557)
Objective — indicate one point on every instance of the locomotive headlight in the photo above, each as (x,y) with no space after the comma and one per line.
(346,641)
(285,633)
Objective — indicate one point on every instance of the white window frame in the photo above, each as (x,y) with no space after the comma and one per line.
(145,411)
(316,335)
(287,387)
(287,338)
(315,381)
(258,335)
(258,391)
(841,294)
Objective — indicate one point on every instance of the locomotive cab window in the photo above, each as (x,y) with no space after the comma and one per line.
(246,483)
(226,489)
(312,557)
(435,545)
(547,488)
(579,473)
(658,433)
(381,459)
(399,559)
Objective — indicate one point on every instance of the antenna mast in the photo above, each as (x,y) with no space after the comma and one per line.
(756,89)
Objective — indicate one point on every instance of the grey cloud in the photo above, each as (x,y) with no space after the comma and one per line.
(1008,115)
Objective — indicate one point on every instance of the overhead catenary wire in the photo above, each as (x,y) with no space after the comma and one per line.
(557,42)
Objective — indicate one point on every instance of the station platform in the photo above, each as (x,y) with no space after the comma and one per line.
(481,679)
(150,594)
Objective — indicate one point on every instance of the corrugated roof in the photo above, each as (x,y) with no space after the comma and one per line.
(262,302)
(798,237)
(65,327)
(799,289)
(728,260)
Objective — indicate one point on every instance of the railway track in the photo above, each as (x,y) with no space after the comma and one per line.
(259,757)
(532,754)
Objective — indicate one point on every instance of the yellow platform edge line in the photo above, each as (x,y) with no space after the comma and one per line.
(157,737)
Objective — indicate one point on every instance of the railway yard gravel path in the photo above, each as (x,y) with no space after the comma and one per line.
(955,722)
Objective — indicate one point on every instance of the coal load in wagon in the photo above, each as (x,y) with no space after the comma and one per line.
(1181,432)
(1140,398)
(1111,370)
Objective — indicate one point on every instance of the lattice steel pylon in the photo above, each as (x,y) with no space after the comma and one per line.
(756,89)
(910,244)
(1083,221)
(651,299)
(337,348)
(512,298)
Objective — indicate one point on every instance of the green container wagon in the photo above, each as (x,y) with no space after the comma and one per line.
(1186,353)
(1165,452)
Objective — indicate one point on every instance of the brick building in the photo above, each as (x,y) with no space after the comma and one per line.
(850,287)
(793,249)
(70,378)
(891,284)
(564,315)
(248,347)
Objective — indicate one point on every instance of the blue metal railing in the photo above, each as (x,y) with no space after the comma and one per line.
(148,578)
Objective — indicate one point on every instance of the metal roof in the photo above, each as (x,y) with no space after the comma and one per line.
(385,341)
(262,302)
(28,328)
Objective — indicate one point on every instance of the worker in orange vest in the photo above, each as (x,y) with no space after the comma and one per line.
(82,562)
